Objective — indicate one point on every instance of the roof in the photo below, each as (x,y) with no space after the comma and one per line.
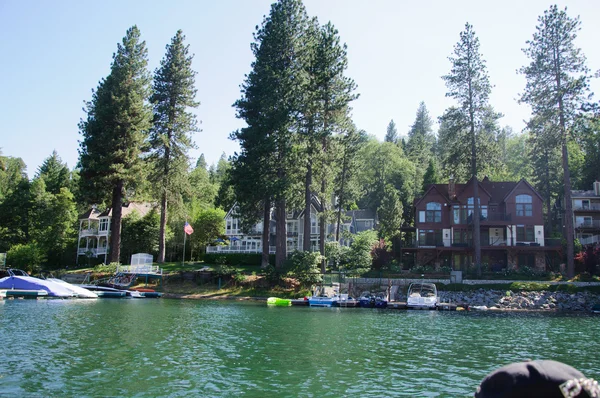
(584,194)
(498,190)
(142,208)
(363,214)
(91,214)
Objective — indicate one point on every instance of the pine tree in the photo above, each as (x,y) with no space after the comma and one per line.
(391,134)
(115,131)
(468,83)
(557,84)
(271,103)
(174,95)
(420,144)
(55,173)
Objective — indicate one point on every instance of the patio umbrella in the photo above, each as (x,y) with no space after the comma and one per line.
(235,238)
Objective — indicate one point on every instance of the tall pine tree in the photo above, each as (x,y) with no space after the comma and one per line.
(174,95)
(115,131)
(468,83)
(557,84)
(391,133)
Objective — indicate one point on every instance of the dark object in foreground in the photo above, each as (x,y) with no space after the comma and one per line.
(530,379)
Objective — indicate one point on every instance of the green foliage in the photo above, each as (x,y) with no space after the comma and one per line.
(235,259)
(358,259)
(116,130)
(140,235)
(55,174)
(391,134)
(170,139)
(106,268)
(390,213)
(28,257)
(305,267)
(335,253)
(208,225)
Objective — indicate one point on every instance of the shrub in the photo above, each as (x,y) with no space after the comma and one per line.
(236,258)
(27,257)
(335,253)
(305,267)
(381,255)
(106,268)
(358,259)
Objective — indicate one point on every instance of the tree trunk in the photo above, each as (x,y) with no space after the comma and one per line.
(115,222)
(548,204)
(307,211)
(476,206)
(280,234)
(266,234)
(323,224)
(568,216)
(341,199)
(163,226)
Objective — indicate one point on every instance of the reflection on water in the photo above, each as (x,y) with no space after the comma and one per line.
(204,348)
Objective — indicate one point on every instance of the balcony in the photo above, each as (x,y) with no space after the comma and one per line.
(92,251)
(588,224)
(88,232)
(590,207)
(237,249)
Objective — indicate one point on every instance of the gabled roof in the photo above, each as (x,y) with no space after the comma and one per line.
(91,214)
(142,208)
(498,191)
(522,182)
(479,184)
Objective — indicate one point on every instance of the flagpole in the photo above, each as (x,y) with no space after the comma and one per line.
(183,258)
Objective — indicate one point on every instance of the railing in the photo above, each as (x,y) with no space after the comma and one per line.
(237,249)
(588,224)
(88,232)
(498,217)
(93,251)
(591,240)
(591,207)
(140,269)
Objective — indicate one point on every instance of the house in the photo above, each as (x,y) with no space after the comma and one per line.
(511,226)
(94,229)
(240,241)
(586,214)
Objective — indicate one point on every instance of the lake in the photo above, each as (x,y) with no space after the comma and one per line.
(189,348)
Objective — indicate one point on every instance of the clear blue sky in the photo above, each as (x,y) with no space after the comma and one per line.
(53,53)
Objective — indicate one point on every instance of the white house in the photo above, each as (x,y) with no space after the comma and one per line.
(94,229)
(251,241)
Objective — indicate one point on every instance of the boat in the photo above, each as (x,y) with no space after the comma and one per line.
(18,280)
(105,292)
(346,301)
(596,309)
(279,302)
(78,291)
(323,301)
(422,295)
(5,293)
(368,300)
(302,301)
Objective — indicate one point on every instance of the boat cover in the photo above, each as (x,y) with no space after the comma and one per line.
(31,283)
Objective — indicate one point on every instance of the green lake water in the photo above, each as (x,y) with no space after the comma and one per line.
(188,348)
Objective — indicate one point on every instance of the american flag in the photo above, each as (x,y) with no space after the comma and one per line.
(187,228)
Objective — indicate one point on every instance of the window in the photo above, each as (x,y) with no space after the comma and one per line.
(524,206)
(433,212)
(314,224)
(103,225)
(430,237)
(292,228)
(525,233)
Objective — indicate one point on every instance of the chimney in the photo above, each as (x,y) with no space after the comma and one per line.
(597,188)
(451,189)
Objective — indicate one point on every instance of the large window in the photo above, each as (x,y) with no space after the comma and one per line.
(314,224)
(525,233)
(524,206)
(433,212)
(464,214)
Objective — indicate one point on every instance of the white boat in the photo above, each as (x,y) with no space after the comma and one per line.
(79,291)
(422,295)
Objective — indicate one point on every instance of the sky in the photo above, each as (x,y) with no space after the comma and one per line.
(52,54)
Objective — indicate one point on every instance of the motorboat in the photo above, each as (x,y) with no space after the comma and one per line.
(346,301)
(368,300)
(18,280)
(78,291)
(105,292)
(422,295)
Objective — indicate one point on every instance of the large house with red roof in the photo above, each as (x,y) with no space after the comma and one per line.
(511,226)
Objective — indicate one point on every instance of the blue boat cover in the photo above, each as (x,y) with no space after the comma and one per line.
(30,283)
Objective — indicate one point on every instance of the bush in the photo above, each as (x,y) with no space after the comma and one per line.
(106,268)
(27,257)
(381,255)
(334,252)
(236,259)
(305,267)
(358,259)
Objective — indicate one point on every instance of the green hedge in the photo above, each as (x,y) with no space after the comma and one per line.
(236,258)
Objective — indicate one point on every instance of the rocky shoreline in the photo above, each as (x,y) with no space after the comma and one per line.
(538,300)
